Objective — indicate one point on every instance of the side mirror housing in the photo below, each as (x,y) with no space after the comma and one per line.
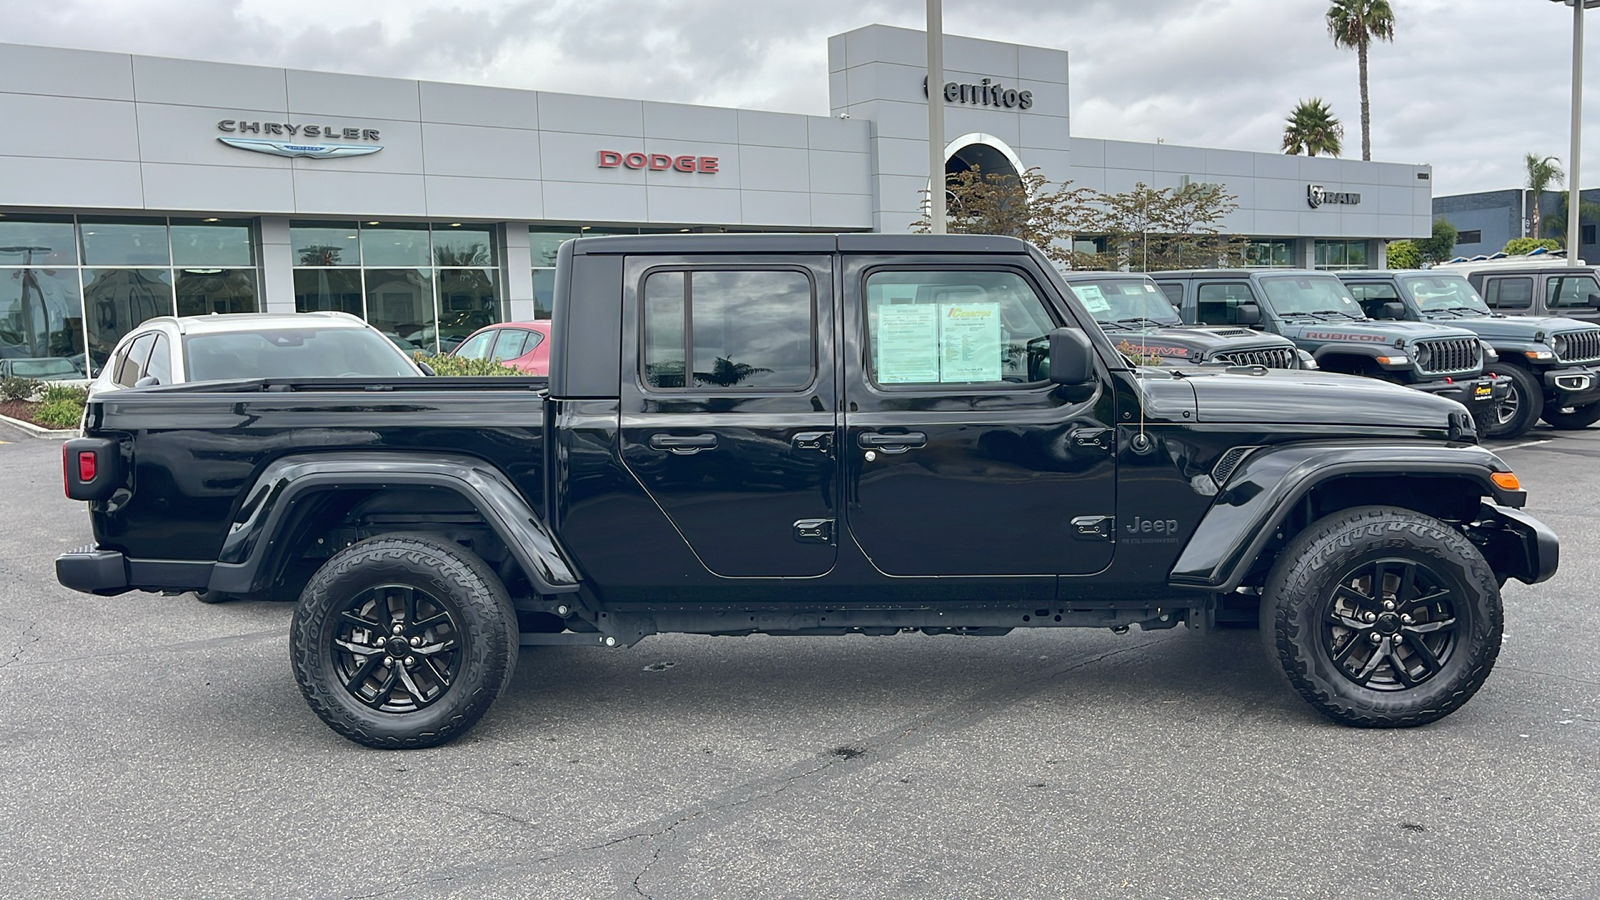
(147,381)
(1392,309)
(426,369)
(1071,357)
(1247,314)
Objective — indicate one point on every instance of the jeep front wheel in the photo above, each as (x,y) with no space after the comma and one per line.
(1515,414)
(1572,418)
(1382,617)
(403,642)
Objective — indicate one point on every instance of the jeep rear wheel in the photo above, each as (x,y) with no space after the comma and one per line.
(1572,418)
(1382,617)
(1517,413)
(403,642)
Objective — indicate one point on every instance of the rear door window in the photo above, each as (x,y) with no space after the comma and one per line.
(475,347)
(160,365)
(132,367)
(510,344)
(729,329)
(1508,293)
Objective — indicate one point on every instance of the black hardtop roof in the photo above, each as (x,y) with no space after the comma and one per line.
(1233,273)
(854,242)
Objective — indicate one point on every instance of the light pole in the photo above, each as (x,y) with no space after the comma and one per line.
(936,186)
(1574,223)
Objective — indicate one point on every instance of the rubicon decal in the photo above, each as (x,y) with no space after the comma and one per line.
(1343,336)
(658,162)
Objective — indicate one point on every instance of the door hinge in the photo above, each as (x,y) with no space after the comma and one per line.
(1091,439)
(1093,528)
(814,531)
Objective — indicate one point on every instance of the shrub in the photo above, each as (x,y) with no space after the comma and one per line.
(455,365)
(1404,255)
(1519,246)
(60,393)
(15,388)
(58,414)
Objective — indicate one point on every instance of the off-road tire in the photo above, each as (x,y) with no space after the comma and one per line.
(1579,417)
(1528,395)
(1300,594)
(448,577)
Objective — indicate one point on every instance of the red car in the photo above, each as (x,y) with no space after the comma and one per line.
(523,345)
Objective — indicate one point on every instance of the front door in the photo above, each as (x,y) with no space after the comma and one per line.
(728,419)
(959,456)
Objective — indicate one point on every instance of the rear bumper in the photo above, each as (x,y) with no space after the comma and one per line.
(108,572)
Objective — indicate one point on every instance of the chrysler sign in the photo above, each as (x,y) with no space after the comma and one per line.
(273,134)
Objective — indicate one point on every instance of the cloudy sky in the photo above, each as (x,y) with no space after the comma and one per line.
(1469,86)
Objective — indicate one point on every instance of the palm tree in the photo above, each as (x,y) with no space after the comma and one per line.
(1541,174)
(1312,128)
(1354,24)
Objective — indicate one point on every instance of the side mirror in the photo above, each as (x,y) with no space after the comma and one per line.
(1247,314)
(426,369)
(1392,309)
(1071,357)
(147,381)
(1594,301)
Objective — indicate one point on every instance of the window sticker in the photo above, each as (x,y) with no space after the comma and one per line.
(1149,288)
(969,338)
(1092,299)
(908,343)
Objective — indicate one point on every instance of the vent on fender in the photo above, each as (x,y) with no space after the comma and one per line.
(1229,463)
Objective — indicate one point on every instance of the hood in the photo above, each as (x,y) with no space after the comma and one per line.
(1179,342)
(1380,331)
(1296,397)
(1519,328)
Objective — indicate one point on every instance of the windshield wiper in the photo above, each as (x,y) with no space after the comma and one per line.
(1141,320)
(1117,324)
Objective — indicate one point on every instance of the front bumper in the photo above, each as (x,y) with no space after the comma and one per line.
(1572,386)
(1473,393)
(1515,544)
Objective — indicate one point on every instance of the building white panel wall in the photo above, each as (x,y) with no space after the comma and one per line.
(474,150)
(470,104)
(377,194)
(65,73)
(67,128)
(178,187)
(70,183)
(186,82)
(492,199)
(336,94)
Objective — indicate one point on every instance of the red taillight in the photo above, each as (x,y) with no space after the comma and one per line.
(66,484)
(86,465)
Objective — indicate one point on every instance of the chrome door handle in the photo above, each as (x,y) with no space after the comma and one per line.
(683,444)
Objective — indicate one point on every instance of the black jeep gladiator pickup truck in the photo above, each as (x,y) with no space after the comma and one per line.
(812,435)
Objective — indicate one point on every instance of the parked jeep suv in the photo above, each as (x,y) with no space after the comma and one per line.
(1138,317)
(1550,361)
(1532,286)
(1316,311)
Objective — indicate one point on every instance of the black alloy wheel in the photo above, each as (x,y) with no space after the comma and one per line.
(1382,617)
(402,642)
(1390,623)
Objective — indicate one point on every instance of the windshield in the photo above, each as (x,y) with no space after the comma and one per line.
(1310,294)
(1444,293)
(1128,301)
(294,353)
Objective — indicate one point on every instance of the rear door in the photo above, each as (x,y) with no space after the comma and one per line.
(1575,295)
(959,456)
(729,417)
(1509,294)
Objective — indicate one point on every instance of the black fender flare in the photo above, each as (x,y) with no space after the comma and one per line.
(1262,491)
(249,556)
(1362,351)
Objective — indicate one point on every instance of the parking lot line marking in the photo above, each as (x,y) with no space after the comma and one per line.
(1527,444)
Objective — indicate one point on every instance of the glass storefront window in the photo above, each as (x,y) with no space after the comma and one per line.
(219,244)
(202,292)
(544,292)
(1340,254)
(466,303)
(463,245)
(395,245)
(126,242)
(46,240)
(115,300)
(1274,254)
(400,304)
(545,244)
(324,290)
(325,244)
(41,319)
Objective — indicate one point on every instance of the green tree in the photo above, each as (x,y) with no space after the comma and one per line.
(1312,128)
(1354,25)
(1442,245)
(1542,173)
(1518,246)
(1403,255)
(1588,214)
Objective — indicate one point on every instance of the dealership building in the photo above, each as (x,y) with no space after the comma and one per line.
(137,186)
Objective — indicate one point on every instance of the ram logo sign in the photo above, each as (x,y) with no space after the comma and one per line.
(1317,195)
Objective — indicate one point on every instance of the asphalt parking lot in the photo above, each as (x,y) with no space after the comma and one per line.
(157,746)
